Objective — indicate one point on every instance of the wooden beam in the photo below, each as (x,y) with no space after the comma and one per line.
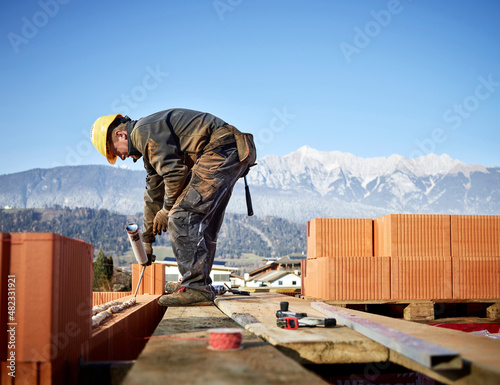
(493,312)
(339,345)
(419,311)
(424,352)
(480,355)
(177,353)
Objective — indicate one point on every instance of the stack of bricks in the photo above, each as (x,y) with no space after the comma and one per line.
(340,263)
(403,257)
(475,250)
(46,317)
(153,282)
(50,313)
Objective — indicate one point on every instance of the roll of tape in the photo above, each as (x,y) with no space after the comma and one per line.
(224,339)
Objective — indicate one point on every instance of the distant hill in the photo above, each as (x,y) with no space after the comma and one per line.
(264,236)
(97,187)
(302,185)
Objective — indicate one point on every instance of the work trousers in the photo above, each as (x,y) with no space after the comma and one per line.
(197,215)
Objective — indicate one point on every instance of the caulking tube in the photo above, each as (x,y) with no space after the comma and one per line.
(136,242)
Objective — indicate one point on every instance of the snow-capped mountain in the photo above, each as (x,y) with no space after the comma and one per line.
(310,183)
(302,185)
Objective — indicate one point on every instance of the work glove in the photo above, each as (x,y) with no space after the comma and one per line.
(148,247)
(160,223)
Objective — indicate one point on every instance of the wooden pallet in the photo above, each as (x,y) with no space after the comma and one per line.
(424,310)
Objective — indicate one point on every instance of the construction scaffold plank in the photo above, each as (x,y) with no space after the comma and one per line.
(339,345)
(178,352)
(424,352)
(480,356)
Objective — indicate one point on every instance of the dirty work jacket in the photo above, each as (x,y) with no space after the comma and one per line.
(170,141)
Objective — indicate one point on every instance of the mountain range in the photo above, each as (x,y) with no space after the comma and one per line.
(302,185)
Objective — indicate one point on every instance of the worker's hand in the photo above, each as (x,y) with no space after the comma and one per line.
(151,259)
(160,223)
(148,247)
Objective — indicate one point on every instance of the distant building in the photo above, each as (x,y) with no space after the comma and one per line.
(220,274)
(276,278)
(281,273)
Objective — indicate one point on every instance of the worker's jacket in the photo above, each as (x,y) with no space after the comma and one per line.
(170,141)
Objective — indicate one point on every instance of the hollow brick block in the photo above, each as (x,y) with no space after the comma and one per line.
(421,278)
(153,281)
(409,235)
(335,237)
(476,277)
(475,235)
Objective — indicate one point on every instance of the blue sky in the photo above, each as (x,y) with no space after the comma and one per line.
(372,78)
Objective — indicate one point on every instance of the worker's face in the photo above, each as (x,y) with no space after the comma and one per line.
(119,147)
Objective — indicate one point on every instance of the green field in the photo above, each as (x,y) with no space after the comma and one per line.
(247,262)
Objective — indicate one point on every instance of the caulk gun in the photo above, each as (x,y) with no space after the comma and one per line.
(138,248)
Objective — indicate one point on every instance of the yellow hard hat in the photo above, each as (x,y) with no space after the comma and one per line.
(99,135)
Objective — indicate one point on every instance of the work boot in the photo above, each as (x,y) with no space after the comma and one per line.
(171,287)
(185,296)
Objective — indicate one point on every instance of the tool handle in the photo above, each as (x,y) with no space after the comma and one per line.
(330,322)
(140,279)
(283,314)
(290,323)
(240,292)
(248,198)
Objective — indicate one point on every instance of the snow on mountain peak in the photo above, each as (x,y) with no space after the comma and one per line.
(328,171)
(431,164)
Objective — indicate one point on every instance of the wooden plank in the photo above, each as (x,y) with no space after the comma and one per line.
(339,345)
(424,352)
(419,312)
(344,303)
(480,355)
(177,354)
(493,312)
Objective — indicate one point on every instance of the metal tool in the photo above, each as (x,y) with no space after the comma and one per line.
(290,320)
(138,248)
(283,314)
(140,279)
(294,323)
(220,290)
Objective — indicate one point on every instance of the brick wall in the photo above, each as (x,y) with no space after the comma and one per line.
(424,257)
(53,286)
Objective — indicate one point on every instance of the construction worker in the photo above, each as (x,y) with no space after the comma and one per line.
(192,160)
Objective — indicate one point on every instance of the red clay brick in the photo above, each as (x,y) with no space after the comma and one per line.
(4,272)
(311,279)
(123,336)
(303,274)
(339,237)
(475,235)
(476,277)
(408,235)
(358,278)
(101,297)
(153,281)
(53,300)
(421,278)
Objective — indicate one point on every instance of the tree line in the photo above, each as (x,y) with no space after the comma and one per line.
(263,236)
